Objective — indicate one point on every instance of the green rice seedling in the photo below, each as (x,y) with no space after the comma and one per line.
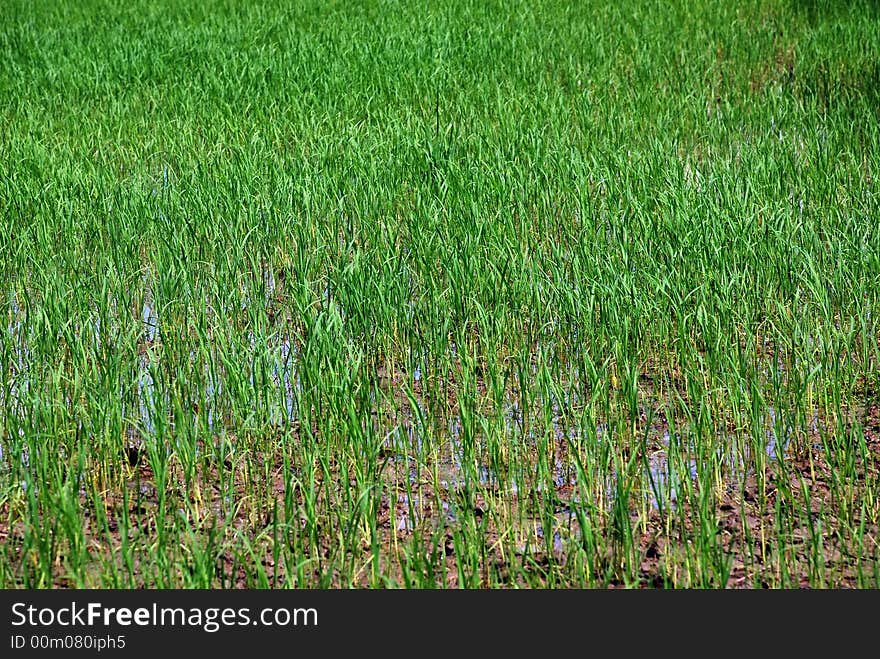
(465,295)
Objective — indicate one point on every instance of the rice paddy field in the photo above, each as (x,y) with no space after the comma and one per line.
(455,294)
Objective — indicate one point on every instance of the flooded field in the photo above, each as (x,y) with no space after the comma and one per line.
(556,295)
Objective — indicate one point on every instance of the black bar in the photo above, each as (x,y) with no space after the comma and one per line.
(130,623)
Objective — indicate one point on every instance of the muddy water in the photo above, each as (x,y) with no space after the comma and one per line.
(663,480)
